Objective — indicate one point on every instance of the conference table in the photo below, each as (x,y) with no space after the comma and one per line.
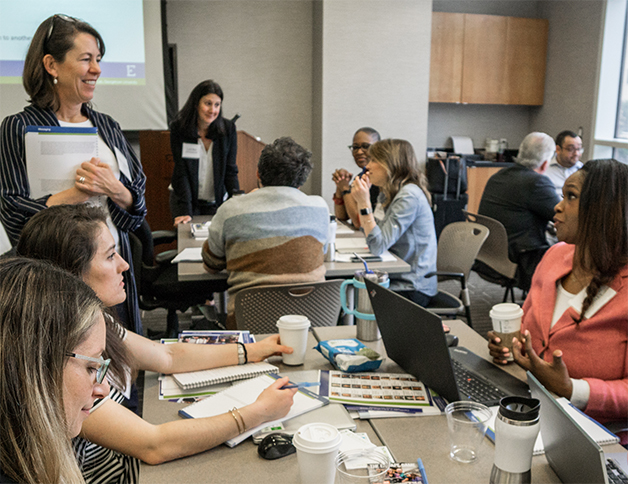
(407,438)
(193,271)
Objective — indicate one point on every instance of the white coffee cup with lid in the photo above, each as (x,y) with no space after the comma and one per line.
(293,331)
(317,445)
(506,319)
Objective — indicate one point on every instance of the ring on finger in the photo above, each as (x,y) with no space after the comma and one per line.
(82,180)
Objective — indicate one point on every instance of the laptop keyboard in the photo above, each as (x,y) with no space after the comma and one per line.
(474,388)
(616,475)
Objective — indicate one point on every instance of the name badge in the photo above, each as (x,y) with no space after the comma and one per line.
(191,150)
(123,163)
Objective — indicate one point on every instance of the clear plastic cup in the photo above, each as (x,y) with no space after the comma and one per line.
(467,422)
(350,466)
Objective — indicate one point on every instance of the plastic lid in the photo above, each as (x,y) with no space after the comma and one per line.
(317,436)
(506,311)
(293,321)
(519,408)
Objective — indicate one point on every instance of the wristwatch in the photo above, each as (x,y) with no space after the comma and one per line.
(365,211)
(241,356)
(346,192)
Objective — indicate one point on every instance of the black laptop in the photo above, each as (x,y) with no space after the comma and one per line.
(415,340)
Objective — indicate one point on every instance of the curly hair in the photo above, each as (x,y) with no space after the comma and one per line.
(285,163)
(398,158)
(602,239)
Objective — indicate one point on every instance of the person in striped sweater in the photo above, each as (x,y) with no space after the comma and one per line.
(275,234)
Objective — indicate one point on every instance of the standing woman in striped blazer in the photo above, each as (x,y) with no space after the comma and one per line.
(60,74)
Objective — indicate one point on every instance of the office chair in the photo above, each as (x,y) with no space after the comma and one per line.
(157,281)
(458,246)
(258,308)
(492,262)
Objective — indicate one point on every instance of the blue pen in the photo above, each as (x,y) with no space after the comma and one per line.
(362,172)
(419,463)
(302,385)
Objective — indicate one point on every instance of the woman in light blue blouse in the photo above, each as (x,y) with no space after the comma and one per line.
(403,222)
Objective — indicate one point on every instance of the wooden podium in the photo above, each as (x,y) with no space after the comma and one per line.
(158,164)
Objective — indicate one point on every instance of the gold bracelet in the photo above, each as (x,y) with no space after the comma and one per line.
(243,424)
(236,419)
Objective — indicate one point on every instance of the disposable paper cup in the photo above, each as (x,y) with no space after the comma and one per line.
(506,319)
(350,466)
(293,331)
(467,422)
(317,445)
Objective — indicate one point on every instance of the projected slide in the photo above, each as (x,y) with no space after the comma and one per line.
(119,22)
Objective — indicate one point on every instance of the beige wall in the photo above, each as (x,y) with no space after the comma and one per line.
(375,72)
(260,52)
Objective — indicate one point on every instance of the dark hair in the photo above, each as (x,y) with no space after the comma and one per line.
(398,158)
(370,132)
(564,134)
(284,163)
(54,36)
(66,235)
(46,313)
(186,119)
(602,239)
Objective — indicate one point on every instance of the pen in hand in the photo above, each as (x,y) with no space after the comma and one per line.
(301,385)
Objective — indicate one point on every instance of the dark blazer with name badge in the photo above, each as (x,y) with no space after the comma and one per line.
(185,173)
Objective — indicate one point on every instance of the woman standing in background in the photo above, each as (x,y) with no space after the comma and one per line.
(204,147)
(60,74)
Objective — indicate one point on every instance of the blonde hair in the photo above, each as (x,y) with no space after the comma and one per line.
(398,158)
(45,313)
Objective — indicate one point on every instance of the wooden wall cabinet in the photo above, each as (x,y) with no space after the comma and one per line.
(487,59)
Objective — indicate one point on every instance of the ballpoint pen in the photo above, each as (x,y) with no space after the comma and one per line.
(302,385)
(422,470)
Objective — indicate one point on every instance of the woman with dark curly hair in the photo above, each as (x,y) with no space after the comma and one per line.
(204,147)
(575,323)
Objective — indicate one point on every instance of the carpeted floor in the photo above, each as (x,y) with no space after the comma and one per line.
(483,296)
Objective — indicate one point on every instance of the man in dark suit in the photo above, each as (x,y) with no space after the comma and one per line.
(522,198)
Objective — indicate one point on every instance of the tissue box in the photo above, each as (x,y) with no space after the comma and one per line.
(350,355)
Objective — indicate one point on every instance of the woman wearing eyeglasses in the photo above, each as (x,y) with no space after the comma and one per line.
(406,226)
(76,238)
(52,339)
(60,75)
(344,205)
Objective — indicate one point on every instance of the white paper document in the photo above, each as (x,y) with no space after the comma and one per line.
(53,154)
(191,254)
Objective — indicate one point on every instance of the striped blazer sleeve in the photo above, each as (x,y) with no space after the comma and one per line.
(17,207)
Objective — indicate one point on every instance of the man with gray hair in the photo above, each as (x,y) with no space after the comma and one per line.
(522,198)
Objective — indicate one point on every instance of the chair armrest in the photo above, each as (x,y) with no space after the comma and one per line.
(164,237)
(446,274)
(165,258)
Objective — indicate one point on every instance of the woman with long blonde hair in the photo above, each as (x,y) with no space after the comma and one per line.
(52,338)
(403,222)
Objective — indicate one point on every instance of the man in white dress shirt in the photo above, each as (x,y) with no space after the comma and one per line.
(566,160)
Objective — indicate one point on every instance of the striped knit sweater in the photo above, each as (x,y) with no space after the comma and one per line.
(274,235)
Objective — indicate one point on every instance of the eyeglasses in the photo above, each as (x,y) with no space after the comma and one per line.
(364,146)
(52,23)
(101,371)
(572,149)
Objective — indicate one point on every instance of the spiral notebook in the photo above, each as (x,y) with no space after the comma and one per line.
(201,378)
(245,393)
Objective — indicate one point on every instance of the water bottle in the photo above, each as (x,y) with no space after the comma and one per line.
(516,429)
